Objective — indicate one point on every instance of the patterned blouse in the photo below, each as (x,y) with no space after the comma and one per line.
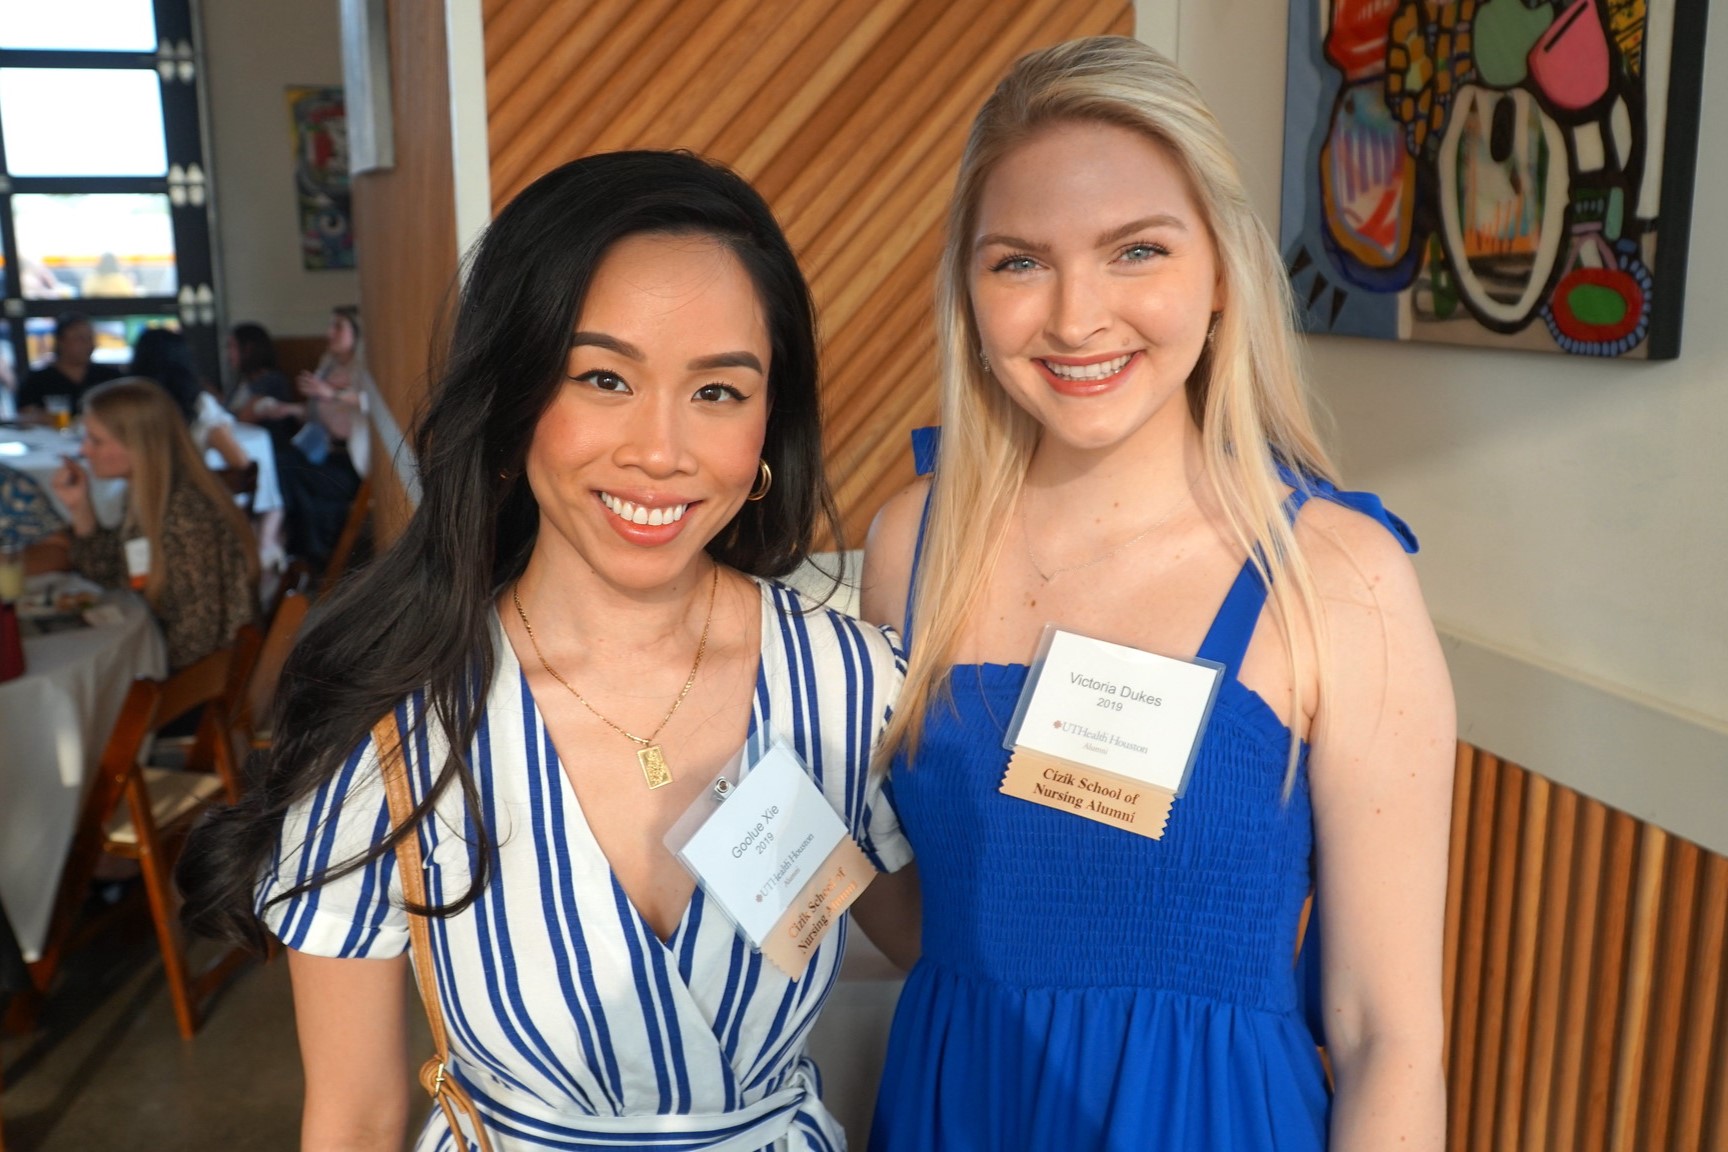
(25,513)
(208,594)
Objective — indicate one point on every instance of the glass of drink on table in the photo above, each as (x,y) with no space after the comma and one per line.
(11,571)
(59,411)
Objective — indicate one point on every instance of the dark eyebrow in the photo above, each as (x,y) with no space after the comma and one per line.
(610,343)
(727,360)
(700,364)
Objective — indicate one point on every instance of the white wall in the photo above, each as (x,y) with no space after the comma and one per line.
(1573,513)
(253,51)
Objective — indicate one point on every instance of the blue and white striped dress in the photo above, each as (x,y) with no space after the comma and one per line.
(571,1023)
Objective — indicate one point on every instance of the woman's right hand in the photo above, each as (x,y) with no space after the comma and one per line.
(72,486)
(314,386)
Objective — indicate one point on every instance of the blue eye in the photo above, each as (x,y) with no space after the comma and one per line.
(1142,252)
(719,393)
(1016,263)
(604,381)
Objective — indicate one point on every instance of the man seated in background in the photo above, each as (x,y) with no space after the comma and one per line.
(71,372)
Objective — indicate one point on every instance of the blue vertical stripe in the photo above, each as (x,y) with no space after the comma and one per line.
(560,1001)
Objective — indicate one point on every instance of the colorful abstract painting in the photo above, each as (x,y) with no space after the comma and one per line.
(1499,173)
(319,124)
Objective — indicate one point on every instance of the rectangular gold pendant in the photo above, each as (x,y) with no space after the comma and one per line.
(655,770)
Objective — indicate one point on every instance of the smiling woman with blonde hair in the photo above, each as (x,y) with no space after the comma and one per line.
(183,542)
(1126,455)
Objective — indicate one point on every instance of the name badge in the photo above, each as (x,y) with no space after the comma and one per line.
(770,850)
(138,561)
(1108,732)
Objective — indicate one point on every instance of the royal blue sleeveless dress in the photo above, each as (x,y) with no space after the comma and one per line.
(1082,987)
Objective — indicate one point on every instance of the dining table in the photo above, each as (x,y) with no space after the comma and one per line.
(38,451)
(54,723)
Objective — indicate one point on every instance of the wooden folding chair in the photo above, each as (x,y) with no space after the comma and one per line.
(143,813)
(285,628)
(343,551)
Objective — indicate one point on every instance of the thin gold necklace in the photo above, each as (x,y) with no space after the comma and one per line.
(655,770)
(1046,577)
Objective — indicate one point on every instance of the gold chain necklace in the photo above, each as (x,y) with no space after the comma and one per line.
(1046,577)
(655,770)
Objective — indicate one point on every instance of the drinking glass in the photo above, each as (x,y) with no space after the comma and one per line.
(11,572)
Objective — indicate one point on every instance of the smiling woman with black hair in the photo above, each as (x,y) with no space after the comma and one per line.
(576,632)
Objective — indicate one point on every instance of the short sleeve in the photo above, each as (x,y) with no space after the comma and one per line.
(358,914)
(879,831)
(211,412)
(209,415)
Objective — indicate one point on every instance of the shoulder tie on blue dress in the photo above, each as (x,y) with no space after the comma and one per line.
(1232,629)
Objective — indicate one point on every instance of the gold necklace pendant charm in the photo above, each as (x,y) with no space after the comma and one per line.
(655,770)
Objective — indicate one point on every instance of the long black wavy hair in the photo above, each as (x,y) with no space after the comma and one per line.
(257,351)
(165,356)
(419,617)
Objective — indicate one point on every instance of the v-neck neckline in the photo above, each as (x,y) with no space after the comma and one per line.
(553,763)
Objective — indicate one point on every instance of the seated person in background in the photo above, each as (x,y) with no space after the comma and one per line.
(262,395)
(323,477)
(182,542)
(71,372)
(109,279)
(163,355)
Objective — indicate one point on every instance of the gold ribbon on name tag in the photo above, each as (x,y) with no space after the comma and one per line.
(1119,801)
(831,889)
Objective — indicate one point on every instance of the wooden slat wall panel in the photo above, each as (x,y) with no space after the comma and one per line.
(849,115)
(1586,991)
(405,230)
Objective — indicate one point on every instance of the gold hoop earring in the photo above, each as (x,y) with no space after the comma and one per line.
(764,481)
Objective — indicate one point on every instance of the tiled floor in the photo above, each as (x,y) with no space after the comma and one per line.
(108,1071)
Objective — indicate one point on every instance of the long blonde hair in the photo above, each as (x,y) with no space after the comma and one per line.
(141,414)
(1247,394)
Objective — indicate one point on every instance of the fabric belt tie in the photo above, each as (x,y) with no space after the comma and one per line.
(747,1129)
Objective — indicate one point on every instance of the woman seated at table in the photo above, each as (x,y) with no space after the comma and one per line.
(323,474)
(262,395)
(162,355)
(182,541)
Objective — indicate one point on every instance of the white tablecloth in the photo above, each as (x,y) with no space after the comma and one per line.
(37,451)
(54,723)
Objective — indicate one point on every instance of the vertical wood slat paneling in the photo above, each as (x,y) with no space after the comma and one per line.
(1586,992)
(849,116)
(405,232)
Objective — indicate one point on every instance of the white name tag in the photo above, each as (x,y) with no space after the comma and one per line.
(776,858)
(138,560)
(1107,731)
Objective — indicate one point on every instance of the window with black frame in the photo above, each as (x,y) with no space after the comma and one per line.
(104,187)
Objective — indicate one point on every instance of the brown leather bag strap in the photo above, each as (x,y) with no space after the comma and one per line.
(434,1077)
